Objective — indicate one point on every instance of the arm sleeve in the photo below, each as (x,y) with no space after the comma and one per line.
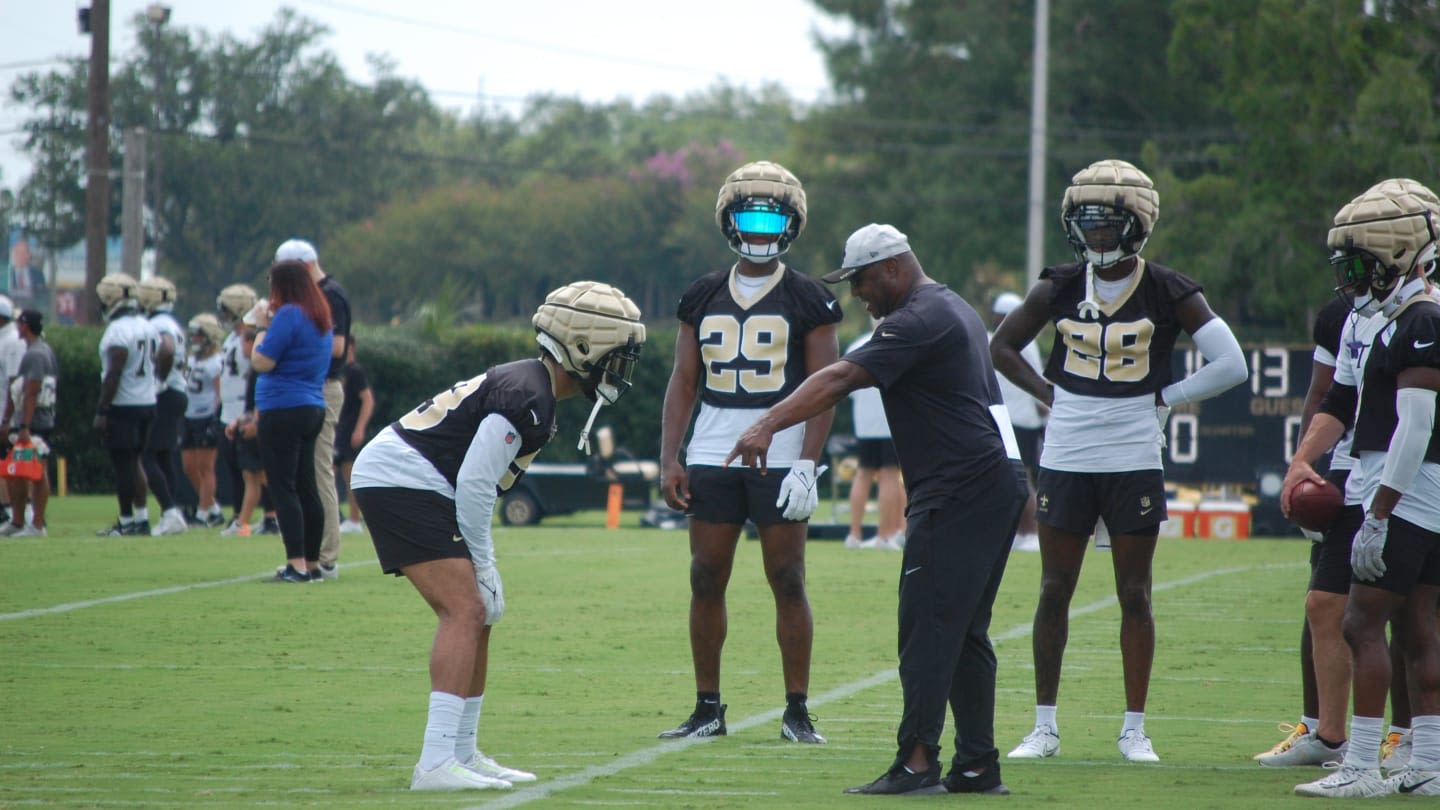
(1224,365)
(1340,402)
(1416,410)
(486,462)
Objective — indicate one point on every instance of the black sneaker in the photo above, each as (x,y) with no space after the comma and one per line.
(899,781)
(118,530)
(708,720)
(986,782)
(213,520)
(269,525)
(289,574)
(798,725)
(140,528)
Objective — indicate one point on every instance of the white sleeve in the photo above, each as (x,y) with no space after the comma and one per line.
(1323,356)
(1416,410)
(1224,365)
(1345,371)
(486,462)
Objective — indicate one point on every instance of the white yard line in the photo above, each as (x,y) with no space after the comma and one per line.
(646,756)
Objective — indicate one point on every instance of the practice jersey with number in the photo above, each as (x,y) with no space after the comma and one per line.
(1332,324)
(200,375)
(441,428)
(139,339)
(234,377)
(1409,340)
(165,324)
(752,354)
(1107,362)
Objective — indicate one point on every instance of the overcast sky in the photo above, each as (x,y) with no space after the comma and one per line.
(464,50)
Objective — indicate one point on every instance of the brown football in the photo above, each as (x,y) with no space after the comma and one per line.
(1315,506)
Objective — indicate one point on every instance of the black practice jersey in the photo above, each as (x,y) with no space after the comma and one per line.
(442,427)
(753,349)
(1123,350)
(1412,340)
(1330,323)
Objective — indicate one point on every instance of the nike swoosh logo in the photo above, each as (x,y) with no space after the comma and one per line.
(1147,511)
(1427,345)
(910,571)
(1404,788)
(830,304)
(457,539)
(887,334)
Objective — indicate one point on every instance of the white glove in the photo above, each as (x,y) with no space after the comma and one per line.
(798,489)
(1314,537)
(492,592)
(1162,415)
(1369,547)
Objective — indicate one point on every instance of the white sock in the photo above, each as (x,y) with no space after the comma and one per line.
(1045,716)
(143,513)
(1364,750)
(1134,720)
(173,511)
(1401,730)
(1312,724)
(1425,746)
(469,727)
(126,521)
(441,729)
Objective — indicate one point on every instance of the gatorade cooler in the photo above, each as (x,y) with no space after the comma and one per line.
(1223,520)
(1181,523)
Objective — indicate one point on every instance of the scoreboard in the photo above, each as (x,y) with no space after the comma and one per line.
(1251,429)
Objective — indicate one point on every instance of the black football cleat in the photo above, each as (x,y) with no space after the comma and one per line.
(798,725)
(987,782)
(708,720)
(900,782)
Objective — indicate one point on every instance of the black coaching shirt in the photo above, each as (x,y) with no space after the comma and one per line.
(931,357)
(1122,349)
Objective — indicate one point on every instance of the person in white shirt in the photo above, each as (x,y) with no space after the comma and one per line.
(127,397)
(12,349)
(879,464)
(1027,416)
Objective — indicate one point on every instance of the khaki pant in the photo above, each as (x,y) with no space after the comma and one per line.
(325,473)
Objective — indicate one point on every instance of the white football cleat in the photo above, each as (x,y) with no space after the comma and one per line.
(1305,750)
(171,522)
(1136,747)
(1347,782)
(1043,742)
(451,775)
(485,766)
(1415,782)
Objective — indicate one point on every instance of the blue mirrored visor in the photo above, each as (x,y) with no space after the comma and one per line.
(761,223)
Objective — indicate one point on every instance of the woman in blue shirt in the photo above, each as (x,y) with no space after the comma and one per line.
(291,356)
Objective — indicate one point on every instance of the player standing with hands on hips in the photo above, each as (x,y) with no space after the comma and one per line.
(748,336)
(1110,387)
(428,484)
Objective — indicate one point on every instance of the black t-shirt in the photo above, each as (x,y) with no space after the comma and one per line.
(340,317)
(1124,350)
(1330,323)
(354,381)
(1412,340)
(931,358)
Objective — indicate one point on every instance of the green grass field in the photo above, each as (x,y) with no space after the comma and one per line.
(166,672)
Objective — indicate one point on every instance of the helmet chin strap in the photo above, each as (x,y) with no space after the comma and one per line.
(1089,309)
(584,445)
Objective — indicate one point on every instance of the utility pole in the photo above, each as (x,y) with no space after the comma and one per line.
(157,14)
(1039,93)
(132,214)
(97,155)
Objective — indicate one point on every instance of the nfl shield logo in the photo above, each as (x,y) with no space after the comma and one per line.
(510,437)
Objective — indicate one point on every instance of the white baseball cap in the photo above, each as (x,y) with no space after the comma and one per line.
(1006,303)
(296,250)
(870,244)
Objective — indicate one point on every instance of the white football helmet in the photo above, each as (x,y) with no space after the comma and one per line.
(761,210)
(118,294)
(234,301)
(205,331)
(1109,211)
(594,332)
(157,295)
(1379,239)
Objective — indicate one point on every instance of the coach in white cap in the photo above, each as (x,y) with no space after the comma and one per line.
(300,250)
(930,358)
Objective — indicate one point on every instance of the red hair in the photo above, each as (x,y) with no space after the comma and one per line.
(290,283)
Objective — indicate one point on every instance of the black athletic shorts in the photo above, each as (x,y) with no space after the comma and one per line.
(1412,557)
(734,494)
(127,426)
(1330,558)
(876,454)
(202,434)
(247,455)
(1131,502)
(169,417)
(410,526)
(1029,440)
